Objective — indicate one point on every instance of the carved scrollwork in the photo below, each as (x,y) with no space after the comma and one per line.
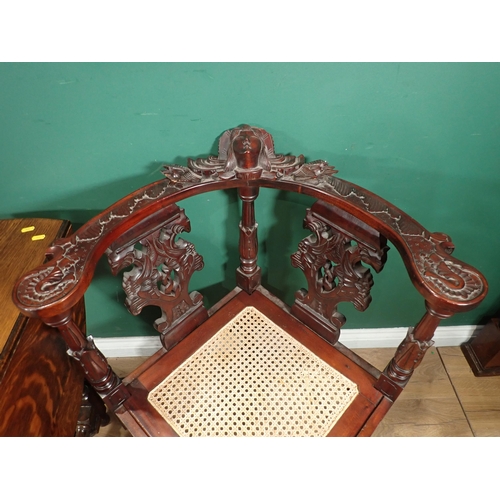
(314,173)
(46,284)
(162,269)
(431,251)
(247,154)
(244,152)
(68,256)
(408,356)
(332,265)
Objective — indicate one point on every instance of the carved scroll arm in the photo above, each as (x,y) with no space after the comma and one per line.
(448,284)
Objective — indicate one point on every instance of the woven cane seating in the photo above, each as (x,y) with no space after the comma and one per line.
(250,365)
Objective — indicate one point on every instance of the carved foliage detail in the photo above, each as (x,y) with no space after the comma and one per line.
(161,272)
(408,356)
(68,256)
(431,251)
(246,152)
(97,370)
(331,263)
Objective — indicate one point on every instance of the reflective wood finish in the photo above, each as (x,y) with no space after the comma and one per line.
(443,398)
(40,386)
(350,227)
(483,350)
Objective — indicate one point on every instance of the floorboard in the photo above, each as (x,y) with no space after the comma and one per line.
(443,398)
(479,396)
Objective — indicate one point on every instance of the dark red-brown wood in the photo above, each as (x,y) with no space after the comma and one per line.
(144,379)
(40,386)
(160,274)
(448,285)
(331,259)
(482,351)
(350,227)
(92,415)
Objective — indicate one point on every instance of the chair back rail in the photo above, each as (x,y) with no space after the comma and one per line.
(349,224)
(446,283)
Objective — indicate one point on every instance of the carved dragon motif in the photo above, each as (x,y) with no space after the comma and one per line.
(234,146)
(430,251)
(333,270)
(441,274)
(161,272)
(67,256)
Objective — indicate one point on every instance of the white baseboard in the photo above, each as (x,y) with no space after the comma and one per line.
(121,347)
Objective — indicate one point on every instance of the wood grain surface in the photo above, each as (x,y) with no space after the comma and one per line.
(22,245)
(40,385)
(443,398)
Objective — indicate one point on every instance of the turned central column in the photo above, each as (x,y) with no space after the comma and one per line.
(247,149)
(248,275)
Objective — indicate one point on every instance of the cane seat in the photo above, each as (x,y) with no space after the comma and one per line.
(250,365)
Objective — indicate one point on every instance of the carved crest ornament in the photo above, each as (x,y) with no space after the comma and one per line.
(247,159)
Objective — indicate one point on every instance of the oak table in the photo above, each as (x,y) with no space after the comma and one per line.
(40,385)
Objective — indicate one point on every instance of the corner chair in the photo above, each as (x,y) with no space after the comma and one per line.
(251,365)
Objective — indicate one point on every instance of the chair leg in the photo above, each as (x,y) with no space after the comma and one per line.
(92,414)
(97,371)
(408,356)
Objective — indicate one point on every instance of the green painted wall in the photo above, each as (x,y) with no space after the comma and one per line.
(76,137)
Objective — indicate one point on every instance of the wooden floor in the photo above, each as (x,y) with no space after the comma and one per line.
(443,398)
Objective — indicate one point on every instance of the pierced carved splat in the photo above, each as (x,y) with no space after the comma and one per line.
(431,252)
(450,285)
(142,230)
(332,264)
(68,258)
(162,269)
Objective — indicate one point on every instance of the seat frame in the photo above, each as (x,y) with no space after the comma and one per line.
(350,227)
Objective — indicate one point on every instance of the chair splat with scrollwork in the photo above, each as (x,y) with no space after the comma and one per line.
(251,365)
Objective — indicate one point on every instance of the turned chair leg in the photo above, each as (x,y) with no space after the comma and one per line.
(92,414)
(408,356)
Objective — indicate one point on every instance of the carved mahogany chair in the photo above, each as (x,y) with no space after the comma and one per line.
(251,365)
